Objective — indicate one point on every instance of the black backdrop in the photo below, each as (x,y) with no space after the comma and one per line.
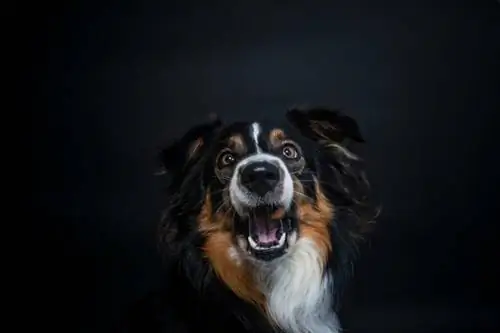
(116,80)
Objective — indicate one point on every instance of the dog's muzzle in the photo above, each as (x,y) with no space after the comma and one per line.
(260,180)
(261,192)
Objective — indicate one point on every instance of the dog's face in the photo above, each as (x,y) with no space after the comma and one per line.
(258,173)
(256,192)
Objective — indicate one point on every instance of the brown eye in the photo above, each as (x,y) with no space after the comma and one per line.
(226,159)
(290,152)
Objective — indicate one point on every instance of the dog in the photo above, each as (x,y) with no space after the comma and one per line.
(262,226)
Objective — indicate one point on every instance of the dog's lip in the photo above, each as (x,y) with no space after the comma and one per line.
(257,245)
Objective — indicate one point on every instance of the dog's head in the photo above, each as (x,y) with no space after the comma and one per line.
(256,190)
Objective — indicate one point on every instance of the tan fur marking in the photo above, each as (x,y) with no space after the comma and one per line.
(237,144)
(238,278)
(315,219)
(276,137)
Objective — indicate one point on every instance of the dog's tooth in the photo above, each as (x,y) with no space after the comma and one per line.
(253,244)
(282,239)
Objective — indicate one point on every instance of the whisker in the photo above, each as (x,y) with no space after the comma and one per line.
(221,206)
(222,178)
(309,181)
(302,195)
(218,191)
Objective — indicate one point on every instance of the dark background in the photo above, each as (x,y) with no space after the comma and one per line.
(116,80)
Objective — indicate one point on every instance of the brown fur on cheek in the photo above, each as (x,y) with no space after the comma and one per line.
(315,218)
(236,275)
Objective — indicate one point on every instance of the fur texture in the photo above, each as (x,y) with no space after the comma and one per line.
(216,278)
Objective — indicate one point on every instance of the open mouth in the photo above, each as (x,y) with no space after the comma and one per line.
(269,233)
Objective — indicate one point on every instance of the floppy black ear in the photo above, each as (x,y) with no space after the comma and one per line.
(188,148)
(324,124)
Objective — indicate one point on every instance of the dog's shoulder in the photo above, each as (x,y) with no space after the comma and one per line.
(178,308)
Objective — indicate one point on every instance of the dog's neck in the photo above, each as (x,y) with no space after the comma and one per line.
(298,291)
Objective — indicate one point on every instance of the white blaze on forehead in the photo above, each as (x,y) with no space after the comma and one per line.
(241,198)
(255,131)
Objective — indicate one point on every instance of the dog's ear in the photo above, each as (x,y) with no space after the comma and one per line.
(186,150)
(324,124)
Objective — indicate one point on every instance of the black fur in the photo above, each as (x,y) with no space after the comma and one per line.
(194,300)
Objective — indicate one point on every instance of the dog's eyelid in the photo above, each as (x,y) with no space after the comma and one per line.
(293,144)
(225,150)
(288,142)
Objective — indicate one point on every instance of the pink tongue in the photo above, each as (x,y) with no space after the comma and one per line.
(264,235)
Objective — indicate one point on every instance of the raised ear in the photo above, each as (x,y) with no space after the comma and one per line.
(324,124)
(188,148)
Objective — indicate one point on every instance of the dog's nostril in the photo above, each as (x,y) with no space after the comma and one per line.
(260,177)
(247,176)
(253,173)
(271,175)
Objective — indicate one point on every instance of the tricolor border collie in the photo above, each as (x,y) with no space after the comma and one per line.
(261,227)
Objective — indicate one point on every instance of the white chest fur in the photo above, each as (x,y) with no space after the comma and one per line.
(298,292)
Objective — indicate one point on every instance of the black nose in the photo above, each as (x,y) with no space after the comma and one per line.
(260,177)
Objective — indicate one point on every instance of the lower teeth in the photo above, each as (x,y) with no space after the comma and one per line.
(256,246)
